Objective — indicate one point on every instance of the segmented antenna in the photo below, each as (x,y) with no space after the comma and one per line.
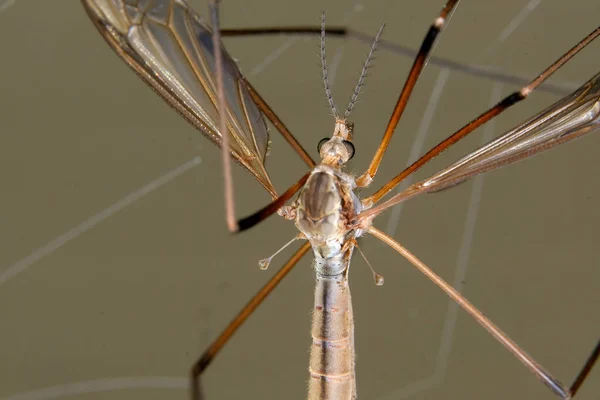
(324,70)
(363,74)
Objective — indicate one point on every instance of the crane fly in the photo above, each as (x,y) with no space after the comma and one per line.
(174,51)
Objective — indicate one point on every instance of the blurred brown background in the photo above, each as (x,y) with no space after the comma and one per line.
(110,288)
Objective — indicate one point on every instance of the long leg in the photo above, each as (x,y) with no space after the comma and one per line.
(211,352)
(226,157)
(285,30)
(206,358)
(232,224)
(343,32)
(415,71)
(543,375)
(504,104)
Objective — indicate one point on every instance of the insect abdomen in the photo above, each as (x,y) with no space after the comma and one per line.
(332,351)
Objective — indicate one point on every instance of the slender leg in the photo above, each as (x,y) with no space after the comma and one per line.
(285,30)
(395,48)
(483,118)
(543,375)
(585,371)
(226,157)
(415,71)
(232,224)
(210,353)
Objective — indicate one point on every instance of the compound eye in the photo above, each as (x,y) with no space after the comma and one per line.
(321,143)
(350,148)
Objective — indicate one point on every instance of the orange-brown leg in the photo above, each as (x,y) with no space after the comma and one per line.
(544,376)
(504,104)
(415,71)
(211,352)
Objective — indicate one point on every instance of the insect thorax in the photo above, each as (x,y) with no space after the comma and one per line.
(325,210)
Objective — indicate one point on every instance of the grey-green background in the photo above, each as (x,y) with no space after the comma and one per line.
(104,296)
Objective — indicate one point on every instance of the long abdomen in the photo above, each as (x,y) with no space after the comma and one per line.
(331,367)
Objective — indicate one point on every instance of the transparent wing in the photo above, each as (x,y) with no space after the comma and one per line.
(570,117)
(574,115)
(168,45)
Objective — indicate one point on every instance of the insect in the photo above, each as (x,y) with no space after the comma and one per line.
(355,269)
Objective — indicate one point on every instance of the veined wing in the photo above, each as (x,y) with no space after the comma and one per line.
(570,117)
(574,115)
(167,44)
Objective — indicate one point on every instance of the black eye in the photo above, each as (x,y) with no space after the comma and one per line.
(321,143)
(350,148)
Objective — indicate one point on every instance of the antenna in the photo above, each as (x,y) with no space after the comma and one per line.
(363,73)
(324,70)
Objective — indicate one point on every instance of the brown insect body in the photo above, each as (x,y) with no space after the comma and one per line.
(166,43)
(324,212)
